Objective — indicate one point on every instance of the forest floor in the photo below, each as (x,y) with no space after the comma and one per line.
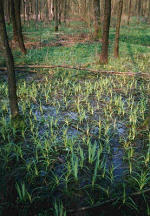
(83,142)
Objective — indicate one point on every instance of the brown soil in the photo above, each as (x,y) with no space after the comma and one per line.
(63,40)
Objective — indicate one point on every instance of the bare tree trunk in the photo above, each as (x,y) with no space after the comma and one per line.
(129,12)
(60,3)
(8,12)
(13,18)
(40,10)
(56,14)
(24,13)
(27,7)
(65,11)
(149,9)
(37,11)
(105,37)
(97,23)
(16,20)
(50,9)
(139,10)
(119,14)
(10,65)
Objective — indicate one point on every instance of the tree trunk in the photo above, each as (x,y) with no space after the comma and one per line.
(97,23)
(65,11)
(60,3)
(105,37)
(10,65)
(7,9)
(27,10)
(49,2)
(139,10)
(37,11)
(24,13)
(16,20)
(56,14)
(13,18)
(119,14)
(149,9)
(129,12)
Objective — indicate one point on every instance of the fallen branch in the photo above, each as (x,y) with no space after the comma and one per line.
(78,68)
(106,202)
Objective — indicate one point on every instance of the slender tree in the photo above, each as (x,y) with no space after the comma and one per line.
(119,14)
(105,36)
(139,7)
(27,8)
(10,65)
(7,10)
(56,14)
(37,11)
(129,12)
(16,21)
(65,11)
(97,23)
(149,9)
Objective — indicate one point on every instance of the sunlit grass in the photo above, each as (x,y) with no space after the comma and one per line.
(134,48)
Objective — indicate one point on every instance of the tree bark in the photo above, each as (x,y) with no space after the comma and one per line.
(24,13)
(16,20)
(65,11)
(7,9)
(149,9)
(129,12)
(139,10)
(105,37)
(27,11)
(56,15)
(37,11)
(10,65)
(60,4)
(119,14)
(97,23)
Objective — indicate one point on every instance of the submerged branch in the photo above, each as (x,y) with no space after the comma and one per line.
(107,202)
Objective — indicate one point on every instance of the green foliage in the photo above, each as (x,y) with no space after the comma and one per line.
(81,140)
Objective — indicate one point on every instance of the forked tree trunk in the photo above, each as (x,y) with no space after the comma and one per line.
(10,65)
(97,23)
(105,37)
(16,20)
(119,14)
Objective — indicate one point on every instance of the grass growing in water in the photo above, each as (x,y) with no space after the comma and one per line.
(83,143)
(82,137)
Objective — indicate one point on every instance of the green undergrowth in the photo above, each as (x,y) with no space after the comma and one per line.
(84,140)
(50,50)
(82,144)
